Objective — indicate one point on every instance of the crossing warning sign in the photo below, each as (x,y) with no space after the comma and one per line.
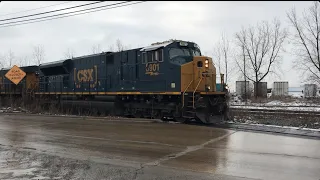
(15,74)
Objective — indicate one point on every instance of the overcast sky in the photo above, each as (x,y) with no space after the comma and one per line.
(140,25)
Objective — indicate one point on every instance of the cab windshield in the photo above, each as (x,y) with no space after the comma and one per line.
(174,52)
(196,52)
(182,55)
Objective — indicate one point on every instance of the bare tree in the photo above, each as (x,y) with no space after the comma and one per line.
(306,42)
(2,61)
(26,60)
(111,48)
(261,47)
(23,61)
(10,58)
(223,55)
(69,54)
(119,45)
(217,56)
(38,54)
(96,49)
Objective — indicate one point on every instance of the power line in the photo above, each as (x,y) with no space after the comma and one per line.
(35,8)
(64,13)
(72,15)
(51,11)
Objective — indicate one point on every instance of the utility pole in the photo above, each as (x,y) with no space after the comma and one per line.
(244,73)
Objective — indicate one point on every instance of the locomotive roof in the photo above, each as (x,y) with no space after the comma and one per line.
(163,44)
(156,46)
(24,68)
(60,62)
(52,62)
(153,46)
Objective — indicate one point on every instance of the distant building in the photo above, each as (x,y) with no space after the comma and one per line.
(242,87)
(280,88)
(310,90)
(296,91)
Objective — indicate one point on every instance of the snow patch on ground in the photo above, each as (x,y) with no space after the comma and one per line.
(307,109)
(12,110)
(284,101)
(284,104)
(19,172)
(276,103)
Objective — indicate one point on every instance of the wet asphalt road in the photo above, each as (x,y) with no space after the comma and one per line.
(38,147)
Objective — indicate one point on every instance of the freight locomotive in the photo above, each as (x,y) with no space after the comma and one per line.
(170,79)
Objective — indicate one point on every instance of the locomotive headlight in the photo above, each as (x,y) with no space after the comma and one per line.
(208,88)
(207,62)
(206,65)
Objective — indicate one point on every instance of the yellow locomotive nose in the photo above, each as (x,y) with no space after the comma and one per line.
(199,75)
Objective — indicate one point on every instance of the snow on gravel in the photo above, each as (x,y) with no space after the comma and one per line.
(276,103)
(308,109)
(295,105)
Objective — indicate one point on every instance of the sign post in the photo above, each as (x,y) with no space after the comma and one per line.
(15,74)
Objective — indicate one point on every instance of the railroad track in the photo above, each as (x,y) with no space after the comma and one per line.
(273,111)
(277,106)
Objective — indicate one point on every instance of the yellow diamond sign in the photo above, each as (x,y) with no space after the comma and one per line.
(15,74)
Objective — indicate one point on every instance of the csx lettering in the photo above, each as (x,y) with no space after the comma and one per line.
(85,75)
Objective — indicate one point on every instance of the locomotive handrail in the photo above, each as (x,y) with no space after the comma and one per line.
(195,92)
(185,92)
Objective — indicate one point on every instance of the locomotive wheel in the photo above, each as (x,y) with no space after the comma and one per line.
(163,118)
(181,119)
(159,114)
(137,114)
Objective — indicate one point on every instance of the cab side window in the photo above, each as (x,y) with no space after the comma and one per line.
(158,55)
(144,58)
(152,56)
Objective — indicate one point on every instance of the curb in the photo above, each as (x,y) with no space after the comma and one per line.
(276,130)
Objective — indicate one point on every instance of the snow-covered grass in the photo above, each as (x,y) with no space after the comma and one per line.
(277,119)
(298,108)
(284,104)
(278,103)
(293,103)
(287,103)
(12,110)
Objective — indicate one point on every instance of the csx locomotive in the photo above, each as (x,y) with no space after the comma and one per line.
(171,79)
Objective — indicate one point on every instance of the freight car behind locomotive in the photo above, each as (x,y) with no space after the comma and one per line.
(27,85)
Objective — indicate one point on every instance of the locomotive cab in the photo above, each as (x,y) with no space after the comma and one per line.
(197,72)
(199,97)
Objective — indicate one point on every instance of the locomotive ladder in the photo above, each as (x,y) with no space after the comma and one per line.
(189,111)
(184,92)
(195,92)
